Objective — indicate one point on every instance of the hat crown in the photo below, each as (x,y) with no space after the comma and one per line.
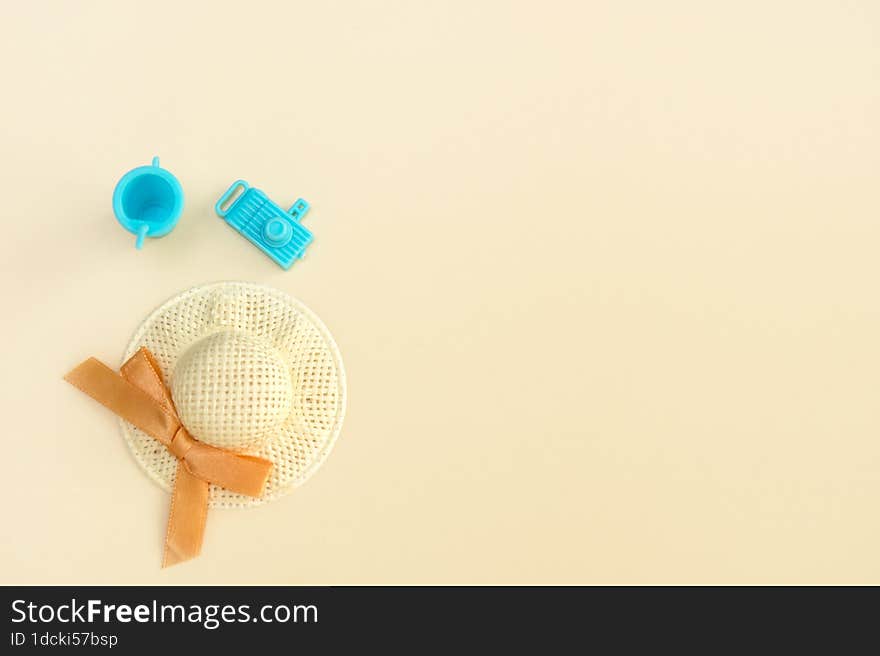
(232,390)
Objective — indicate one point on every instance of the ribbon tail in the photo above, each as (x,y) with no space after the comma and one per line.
(186,520)
(124,398)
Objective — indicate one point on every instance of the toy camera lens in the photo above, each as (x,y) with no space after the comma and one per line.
(277,232)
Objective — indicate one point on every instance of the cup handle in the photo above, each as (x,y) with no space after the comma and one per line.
(225,197)
(141,233)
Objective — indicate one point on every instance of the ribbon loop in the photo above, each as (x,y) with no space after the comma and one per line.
(139,395)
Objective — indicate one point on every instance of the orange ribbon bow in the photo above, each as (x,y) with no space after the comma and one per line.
(138,395)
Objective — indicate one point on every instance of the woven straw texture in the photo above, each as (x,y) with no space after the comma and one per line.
(250,369)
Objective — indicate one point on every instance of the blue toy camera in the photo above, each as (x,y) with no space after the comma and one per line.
(277,233)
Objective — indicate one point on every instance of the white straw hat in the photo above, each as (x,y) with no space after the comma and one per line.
(251,370)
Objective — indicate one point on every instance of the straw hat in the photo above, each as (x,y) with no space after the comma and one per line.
(250,370)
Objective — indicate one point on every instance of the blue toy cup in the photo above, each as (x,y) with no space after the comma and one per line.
(148,201)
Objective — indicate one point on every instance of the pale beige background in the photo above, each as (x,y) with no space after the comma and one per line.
(605,277)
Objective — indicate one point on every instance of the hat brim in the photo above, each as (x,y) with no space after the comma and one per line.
(317,374)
